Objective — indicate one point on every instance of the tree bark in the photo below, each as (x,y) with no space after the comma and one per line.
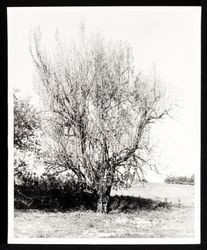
(104,191)
(106,172)
(103,198)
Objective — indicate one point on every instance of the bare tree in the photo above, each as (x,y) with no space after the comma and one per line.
(100,111)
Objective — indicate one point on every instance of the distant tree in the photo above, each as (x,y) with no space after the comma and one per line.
(26,122)
(192,179)
(180,180)
(100,114)
(26,125)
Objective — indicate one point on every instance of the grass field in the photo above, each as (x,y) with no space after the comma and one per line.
(175,222)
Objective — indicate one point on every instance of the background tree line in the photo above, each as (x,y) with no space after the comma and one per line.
(180,180)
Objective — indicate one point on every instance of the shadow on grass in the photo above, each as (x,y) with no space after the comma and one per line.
(131,203)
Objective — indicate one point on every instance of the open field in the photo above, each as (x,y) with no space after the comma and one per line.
(174,193)
(178,221)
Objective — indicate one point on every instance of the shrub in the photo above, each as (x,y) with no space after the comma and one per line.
(50,192)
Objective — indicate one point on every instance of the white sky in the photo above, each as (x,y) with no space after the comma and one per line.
(167,39)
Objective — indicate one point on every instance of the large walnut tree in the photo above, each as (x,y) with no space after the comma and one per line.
(99,109)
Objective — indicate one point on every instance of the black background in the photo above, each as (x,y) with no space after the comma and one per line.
(4,117)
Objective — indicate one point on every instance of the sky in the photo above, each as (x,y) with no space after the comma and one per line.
(164,40)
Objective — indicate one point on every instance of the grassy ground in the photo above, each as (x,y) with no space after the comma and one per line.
(174,222)
(175,193)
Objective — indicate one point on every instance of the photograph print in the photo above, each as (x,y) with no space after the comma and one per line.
(104,125)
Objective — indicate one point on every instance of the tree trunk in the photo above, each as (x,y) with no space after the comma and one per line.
(103,193)
(106,176)
(103,199)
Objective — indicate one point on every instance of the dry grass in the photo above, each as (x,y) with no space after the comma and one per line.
(175,222)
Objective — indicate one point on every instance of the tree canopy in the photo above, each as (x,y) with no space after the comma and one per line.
(99,111)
